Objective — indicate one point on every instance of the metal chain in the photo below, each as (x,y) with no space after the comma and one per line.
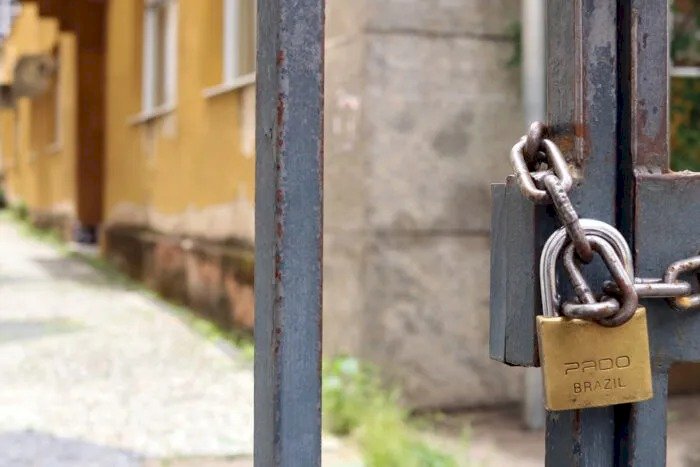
(534,142)
(628,295)
(557,182)
(678,293)
(551,186)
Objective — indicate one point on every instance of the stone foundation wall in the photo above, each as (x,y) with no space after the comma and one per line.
(63,224)
(213,277)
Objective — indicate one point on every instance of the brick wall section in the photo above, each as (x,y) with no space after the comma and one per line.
(214,278)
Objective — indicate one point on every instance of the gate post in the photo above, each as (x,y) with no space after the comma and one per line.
(582,109)
(289,232)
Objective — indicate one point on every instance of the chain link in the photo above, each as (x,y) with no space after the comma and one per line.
(551,186)
(568,217)
(628,295)
(534,143)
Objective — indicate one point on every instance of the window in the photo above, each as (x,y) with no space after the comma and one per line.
(46,107)
(238,45)
(159,80)
(685,85)
(9,11)
(239,39)
(55,91)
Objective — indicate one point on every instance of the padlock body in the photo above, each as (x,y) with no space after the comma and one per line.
(588,365)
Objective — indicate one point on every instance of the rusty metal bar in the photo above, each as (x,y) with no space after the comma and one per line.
(288,225)
(655,216)
(582,101)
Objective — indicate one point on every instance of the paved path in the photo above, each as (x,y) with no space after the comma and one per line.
(95,373)
(93,368)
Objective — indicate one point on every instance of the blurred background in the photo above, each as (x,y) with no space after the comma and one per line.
(127,152)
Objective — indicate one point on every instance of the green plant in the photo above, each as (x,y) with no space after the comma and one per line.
(20,210)
(356,403)
(685,124)
(514,31)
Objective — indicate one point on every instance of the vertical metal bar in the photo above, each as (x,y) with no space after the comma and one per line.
(641,428)
(534,17)
(288,223)
(644,149)
(582,109)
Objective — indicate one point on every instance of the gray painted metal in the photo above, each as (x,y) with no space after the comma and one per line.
(582,111)
(288,224)
(499,274)
(615,131)
(664,233)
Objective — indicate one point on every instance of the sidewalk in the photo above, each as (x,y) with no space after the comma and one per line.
(95,373)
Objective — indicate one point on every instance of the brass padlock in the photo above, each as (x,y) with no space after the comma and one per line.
(585,364)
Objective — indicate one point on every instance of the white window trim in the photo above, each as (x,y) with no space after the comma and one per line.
(223,88)
(149,109)
(232,79)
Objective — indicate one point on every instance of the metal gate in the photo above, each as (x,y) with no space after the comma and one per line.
(288,232)
(607,109)
(607,105)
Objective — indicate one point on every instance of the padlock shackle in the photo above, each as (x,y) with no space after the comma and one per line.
(553,248)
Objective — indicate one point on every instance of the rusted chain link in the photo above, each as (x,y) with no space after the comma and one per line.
(678,293)
(653,288)
(568,217)
(603,311)
(551,186)
(685,266)
(534,145)
(556,162)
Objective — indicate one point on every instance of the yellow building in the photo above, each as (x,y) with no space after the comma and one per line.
(143,137)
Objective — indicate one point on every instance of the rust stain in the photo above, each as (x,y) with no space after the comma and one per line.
(566,142)
(281,106)
(278,269)
(280,57)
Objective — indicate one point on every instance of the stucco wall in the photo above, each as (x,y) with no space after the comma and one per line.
(39,155)
(422,108)
(190,172)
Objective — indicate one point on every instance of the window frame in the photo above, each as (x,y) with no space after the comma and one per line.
(56,145)
(232,49)
(152,33)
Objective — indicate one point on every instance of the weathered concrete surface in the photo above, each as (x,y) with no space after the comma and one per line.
(213,277)
(422,109)
(88,360)
(474,18)
(96,373)
(427,296)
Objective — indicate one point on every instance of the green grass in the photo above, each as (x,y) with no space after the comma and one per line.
(20,216)
(357,404)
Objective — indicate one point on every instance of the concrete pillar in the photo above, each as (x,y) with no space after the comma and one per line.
(422,109)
